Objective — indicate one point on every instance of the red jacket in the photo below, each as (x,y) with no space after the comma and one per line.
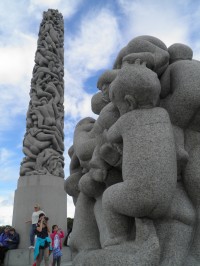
(60,234)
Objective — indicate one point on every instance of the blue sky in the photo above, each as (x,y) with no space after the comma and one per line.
(95,31)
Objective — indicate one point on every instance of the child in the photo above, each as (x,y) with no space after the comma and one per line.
(149,155)
(56,236)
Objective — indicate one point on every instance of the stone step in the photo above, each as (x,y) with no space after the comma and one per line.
(24,257)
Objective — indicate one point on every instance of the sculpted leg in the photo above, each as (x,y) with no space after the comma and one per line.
(192,185)
(179,221)
(120,202)
(90,187)
(85,233)
(49,137)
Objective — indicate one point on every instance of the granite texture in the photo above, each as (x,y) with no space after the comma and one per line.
(42,169)
(136,172)
(43,143)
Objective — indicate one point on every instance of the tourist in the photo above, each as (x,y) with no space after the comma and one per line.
(13,239)
(56,236)
(33,221)
(4,243)
(42,245)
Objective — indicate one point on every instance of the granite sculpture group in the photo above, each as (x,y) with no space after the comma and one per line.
(134,172)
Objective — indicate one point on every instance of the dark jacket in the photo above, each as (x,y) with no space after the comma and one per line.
(13,244)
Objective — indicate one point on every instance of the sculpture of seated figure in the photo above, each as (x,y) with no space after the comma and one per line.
(150,173)
(180,96)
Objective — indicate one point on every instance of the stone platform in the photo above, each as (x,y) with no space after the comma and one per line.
(24,257)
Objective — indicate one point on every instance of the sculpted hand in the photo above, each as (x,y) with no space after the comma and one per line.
(110,154)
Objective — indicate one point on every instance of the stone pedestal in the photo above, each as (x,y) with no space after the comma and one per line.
(24,257)
(46,190)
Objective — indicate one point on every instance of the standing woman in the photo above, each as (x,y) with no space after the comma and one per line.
(43,241)
(34,219)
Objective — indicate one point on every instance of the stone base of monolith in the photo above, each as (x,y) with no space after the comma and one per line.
(48,192)
(24,257)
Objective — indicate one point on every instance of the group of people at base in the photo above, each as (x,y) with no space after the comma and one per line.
(46,241)
(9,239)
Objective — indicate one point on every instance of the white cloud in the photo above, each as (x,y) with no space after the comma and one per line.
(90,50)
(16,64)
(17,61)
(79,106)
(9,170)
(147,18)
(6,207)
(12,16)
(66,7)
(94,44)
(5,155)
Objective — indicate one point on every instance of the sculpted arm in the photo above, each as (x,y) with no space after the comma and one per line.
(165,83)
(29,153)
(111,151)
(114,133)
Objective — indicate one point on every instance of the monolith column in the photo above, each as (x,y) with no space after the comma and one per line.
(41,172)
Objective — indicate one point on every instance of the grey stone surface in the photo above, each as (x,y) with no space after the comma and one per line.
(24,257)
(149,49)
(43,141)
(135,169)
(42,169)
(46,189)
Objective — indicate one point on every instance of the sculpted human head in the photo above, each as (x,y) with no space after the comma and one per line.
(149,49)
(118,61)
(104,82)
(85,124)
(135,87)
(98,102)
(179,51)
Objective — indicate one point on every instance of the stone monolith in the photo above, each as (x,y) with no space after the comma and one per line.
(41,178)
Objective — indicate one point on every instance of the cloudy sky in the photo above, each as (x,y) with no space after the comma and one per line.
(95,30)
